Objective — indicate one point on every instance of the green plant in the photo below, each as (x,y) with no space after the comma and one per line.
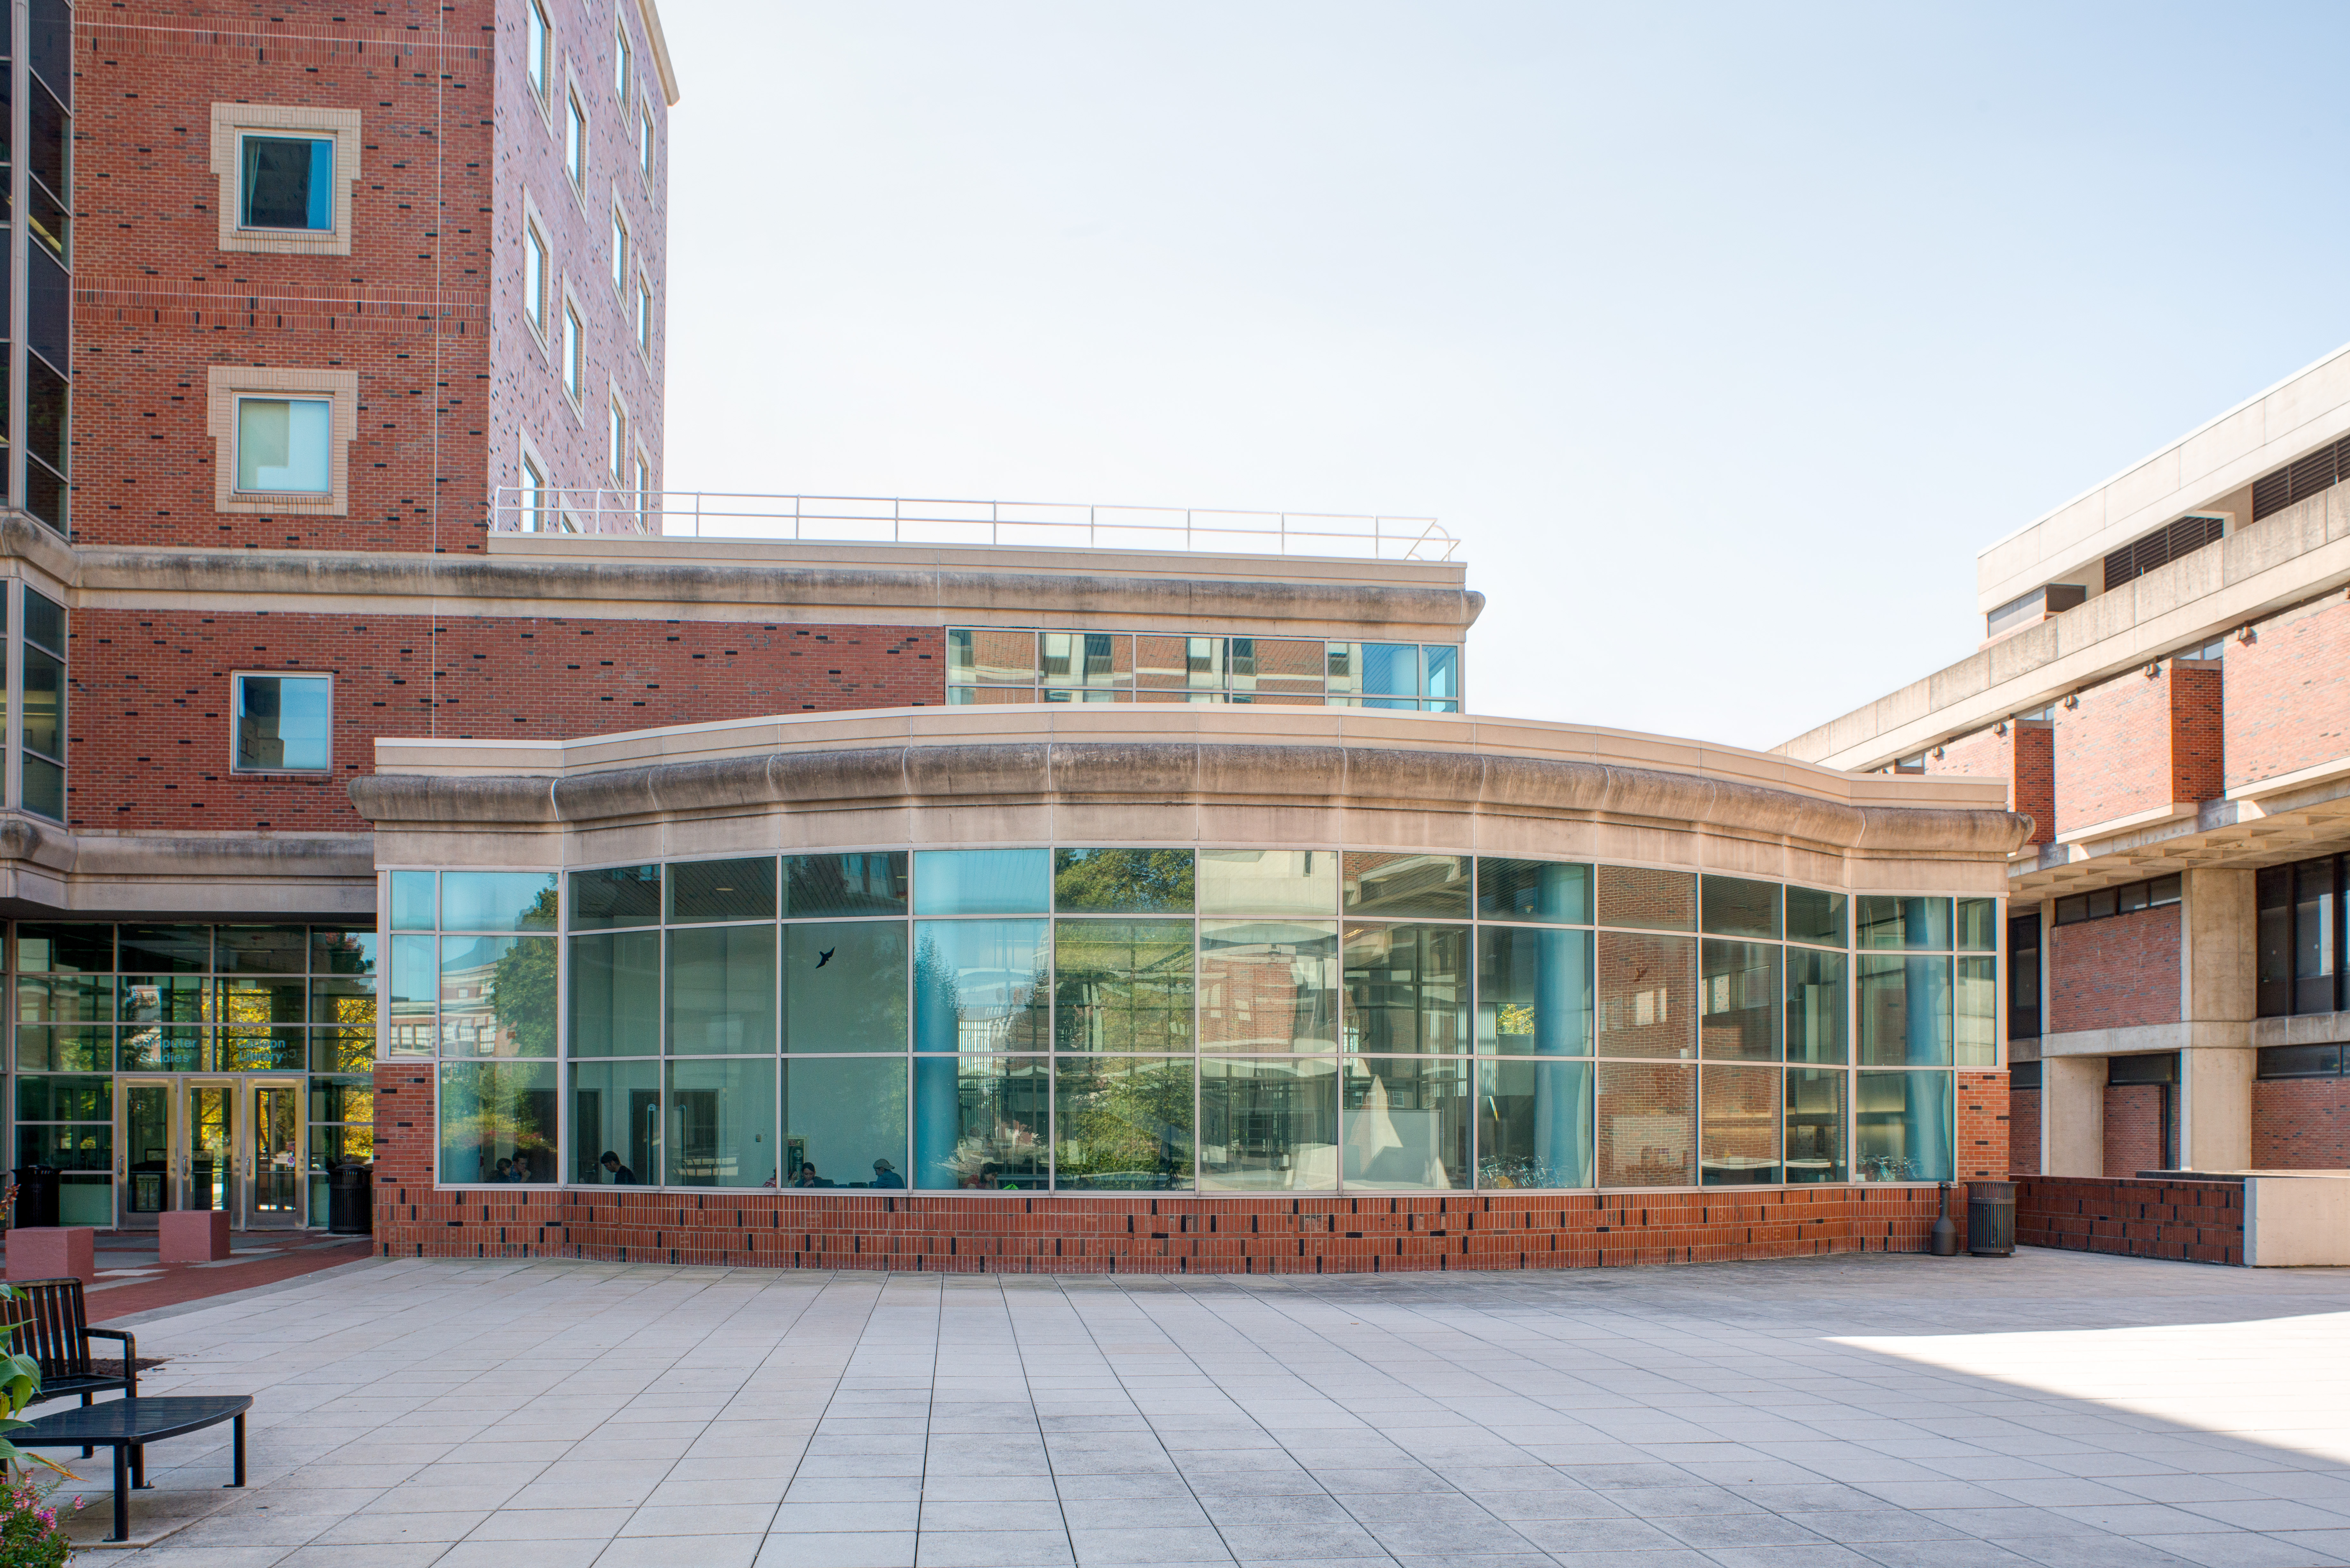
(20,1380)
(30,1533)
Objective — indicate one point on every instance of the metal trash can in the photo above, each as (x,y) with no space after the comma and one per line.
(350,1202)
(36,1197)
(1990,1218)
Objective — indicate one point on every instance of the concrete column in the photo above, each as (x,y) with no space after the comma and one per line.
(2215,1108)
(2073,1115)
(2218,996)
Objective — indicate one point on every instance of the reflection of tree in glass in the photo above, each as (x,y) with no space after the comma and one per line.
(1124,881)
(523,993)
(1125,1124)
(1124,985)
(491,1110)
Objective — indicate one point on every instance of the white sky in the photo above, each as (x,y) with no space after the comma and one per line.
(1722,337)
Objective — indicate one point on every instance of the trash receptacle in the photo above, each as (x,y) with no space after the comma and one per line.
(36,1197)
(1990,1218)
(350,1202)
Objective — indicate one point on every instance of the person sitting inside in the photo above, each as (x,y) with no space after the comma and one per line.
(504,1171)
(886,1174)
(620,1174)
(521,1168)
(808,1177)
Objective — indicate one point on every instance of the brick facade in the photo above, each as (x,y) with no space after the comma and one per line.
(1983,1125)
(2187,1222)
(2139,743)
(2301,1124)
(2115,974)
(1057,1234)
(2020,755)
(2023,1132)
(2288,707)
(150,728)
(2140,1128)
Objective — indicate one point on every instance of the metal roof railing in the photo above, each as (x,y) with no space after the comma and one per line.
(856,519)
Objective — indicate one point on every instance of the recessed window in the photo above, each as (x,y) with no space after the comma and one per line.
(284,445)
(533,497)
(283,724)
(619,442)
(575,141)
(643,477)
(536,47)
(623,59)
(644,315)
(287,182)
(575,375)
(619,252)
(533,278)
(645,139)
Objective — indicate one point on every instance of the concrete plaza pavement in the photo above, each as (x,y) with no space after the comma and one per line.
(2052,1408)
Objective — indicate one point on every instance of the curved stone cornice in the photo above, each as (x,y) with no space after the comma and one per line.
(1015,772)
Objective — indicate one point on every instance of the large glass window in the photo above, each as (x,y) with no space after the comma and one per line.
(1534,1124)
(1647,1124)
(1533,992)
(981,985)
(1268,1126)
(41,728)
(1124,1123)
(1268,986)
(1902,1126)
(987,664)
(1406,1123)
(1102,1019)
(283,724)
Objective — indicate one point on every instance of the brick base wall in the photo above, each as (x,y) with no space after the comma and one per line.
(2188,1221)
(2301,1124)
(1023,1233)
(2023,1132)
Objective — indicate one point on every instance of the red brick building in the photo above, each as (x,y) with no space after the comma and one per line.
(399,774)
(2160,688)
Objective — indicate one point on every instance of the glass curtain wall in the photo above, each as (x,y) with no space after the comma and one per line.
(986,664)
(91,1001)
(1169,1019)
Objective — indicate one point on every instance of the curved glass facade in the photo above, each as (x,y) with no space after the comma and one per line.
(1216,1021)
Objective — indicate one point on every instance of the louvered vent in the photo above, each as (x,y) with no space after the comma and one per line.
(2163,547)
(2321,470)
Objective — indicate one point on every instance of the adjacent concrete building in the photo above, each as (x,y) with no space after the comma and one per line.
(2160,689)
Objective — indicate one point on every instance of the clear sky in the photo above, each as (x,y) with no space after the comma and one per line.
(1723,336)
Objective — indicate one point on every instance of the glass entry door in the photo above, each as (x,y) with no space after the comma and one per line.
(228,1144)
(208,1163)
(276,1164)
(146,1151)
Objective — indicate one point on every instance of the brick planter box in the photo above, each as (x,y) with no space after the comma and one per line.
(2184,1221)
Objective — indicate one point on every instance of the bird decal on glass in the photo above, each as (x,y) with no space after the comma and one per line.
(825,957)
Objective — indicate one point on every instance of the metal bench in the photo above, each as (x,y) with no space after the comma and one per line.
(128,1425)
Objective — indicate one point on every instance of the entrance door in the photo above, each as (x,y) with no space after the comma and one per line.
(208,1167)
(146,1151)
(276,1169)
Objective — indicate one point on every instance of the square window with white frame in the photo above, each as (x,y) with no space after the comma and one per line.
(285,724)
(285,446)
(286,182)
